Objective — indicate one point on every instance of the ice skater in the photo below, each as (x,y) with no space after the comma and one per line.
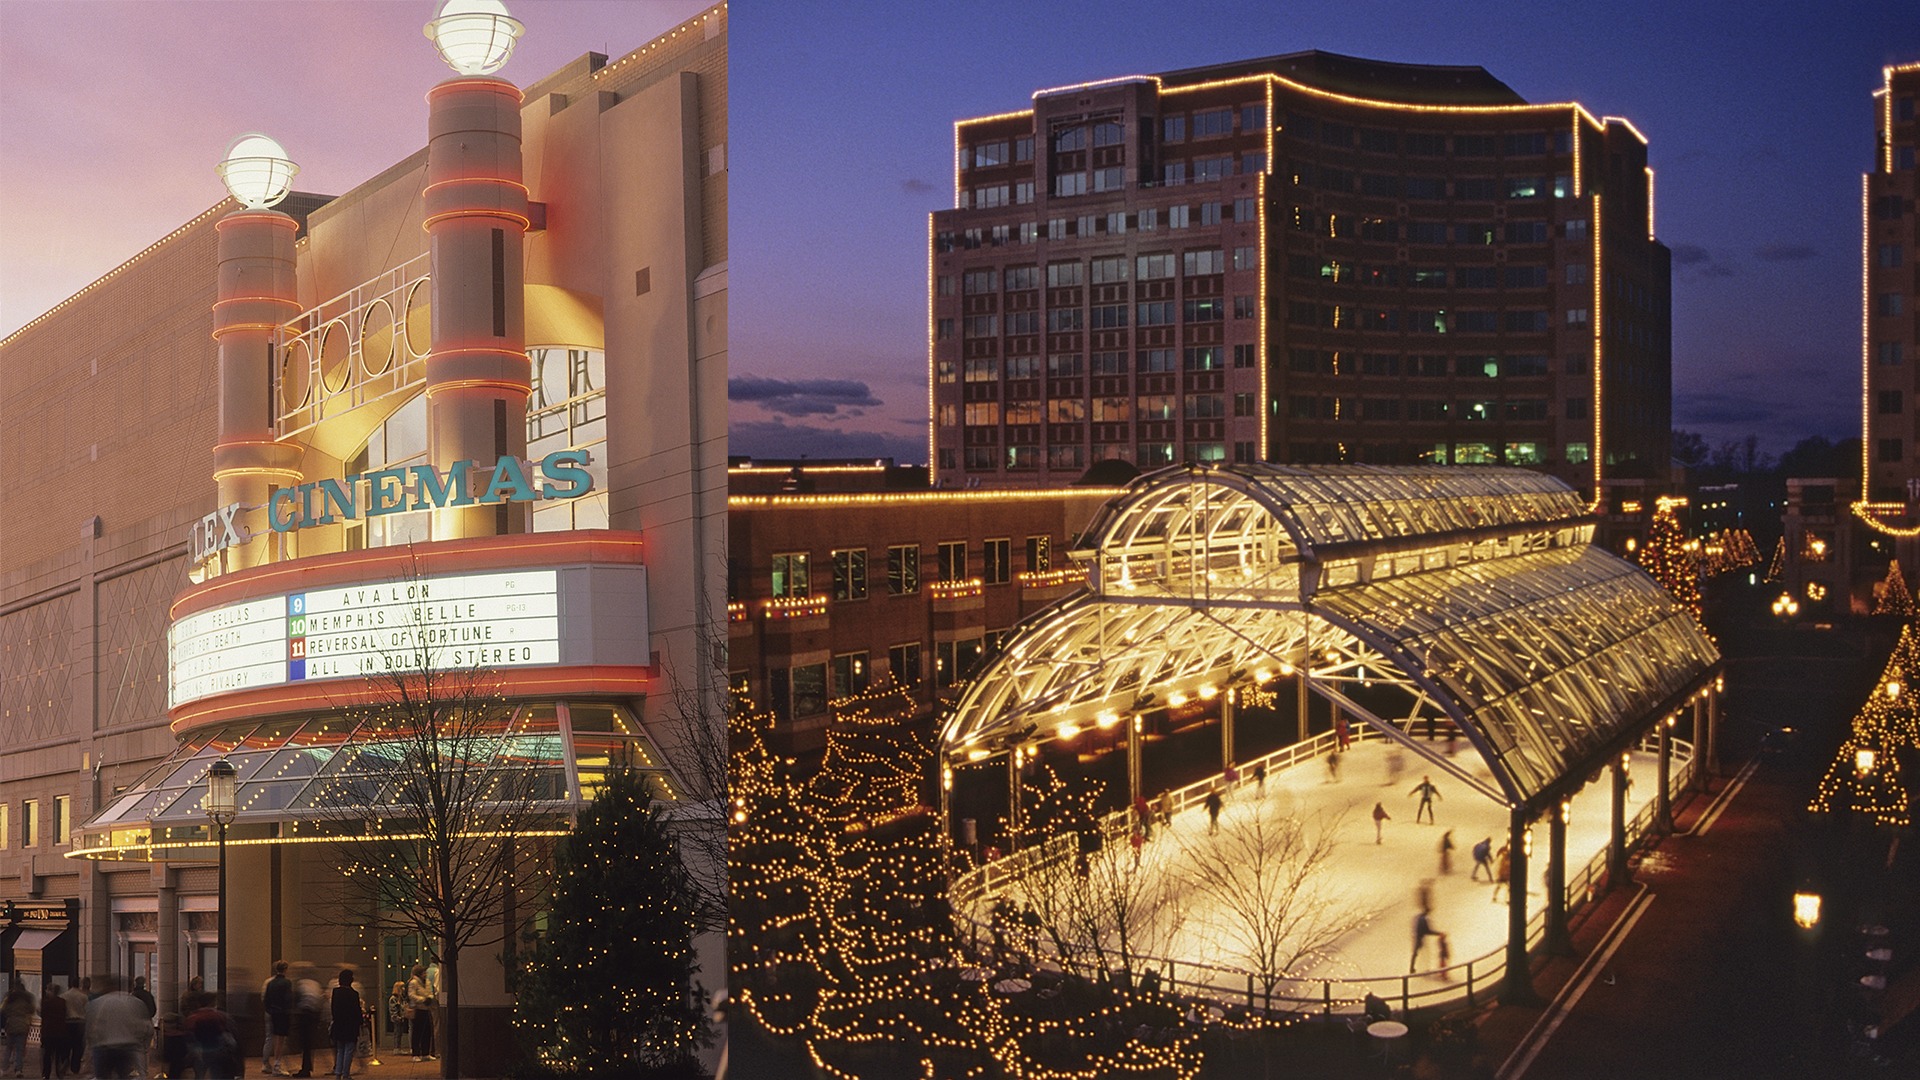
(1504,871)
(1213,805)
(1341,733)
(1427,793)
(1380,817)
(1333,766)
(1483,859)
(1446,852)
(1260,777)
(1422,930)
(1396,761)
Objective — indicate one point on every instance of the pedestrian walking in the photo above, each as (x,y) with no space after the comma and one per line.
(1342,734)
(307,1004)
(1333,766)
(1446,852)
(1483,858)
(346,1024)
(53,1033)
(77,998)
(1427,793)
(276,999)
(117,1031)
(1422,930)
(16,1019)
(1213,805)
(1502,872)
(420,1000)
(212,1047)
(1380,816)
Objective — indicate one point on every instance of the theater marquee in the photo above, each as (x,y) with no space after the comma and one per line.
(508,619)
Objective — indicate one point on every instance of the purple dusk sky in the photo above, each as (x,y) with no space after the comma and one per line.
(113,115)
(1758,114)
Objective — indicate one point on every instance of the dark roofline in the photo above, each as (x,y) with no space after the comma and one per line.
(1380,80)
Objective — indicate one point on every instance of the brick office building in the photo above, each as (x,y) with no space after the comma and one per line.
(1305,258)
(832,591)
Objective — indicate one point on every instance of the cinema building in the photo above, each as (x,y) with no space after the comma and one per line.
(476,403)
(1301,259)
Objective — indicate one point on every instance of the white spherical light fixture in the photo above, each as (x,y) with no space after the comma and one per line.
(257,171)
(474,37)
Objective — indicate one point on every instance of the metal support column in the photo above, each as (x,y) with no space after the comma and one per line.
(1559,942)
(1662,799)
(1617,833)
(1300,700)
(1700,744)
(1013,800)
(1713,729)
(1517,988)
(1226,730)
(1133,758)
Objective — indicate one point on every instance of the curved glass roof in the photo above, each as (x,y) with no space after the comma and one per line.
(1476,594)
(321,769)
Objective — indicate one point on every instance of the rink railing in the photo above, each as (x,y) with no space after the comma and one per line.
(1227,991)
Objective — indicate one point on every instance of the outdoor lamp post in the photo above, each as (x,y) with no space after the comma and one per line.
(220,810)
(474,37)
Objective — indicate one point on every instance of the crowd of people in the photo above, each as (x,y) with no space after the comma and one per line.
(104,1027)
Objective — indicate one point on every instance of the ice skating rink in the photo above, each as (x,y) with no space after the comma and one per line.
(1381,881)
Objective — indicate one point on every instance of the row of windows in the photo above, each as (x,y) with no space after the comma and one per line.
(1198,262)
(1426,144)
(1111,362)
(1419,365)
(1182,216)
(1213,123)
(1430,188)
(1023,457)
(1515,276)
(792,576)
(807,689)
(1340,226)
(30,819)
(1148,455)
(1424,321)
(1102,409)
(1421,410)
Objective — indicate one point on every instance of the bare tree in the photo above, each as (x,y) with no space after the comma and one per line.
(1272,901)
(1097,905)
(443,801)
(695,741)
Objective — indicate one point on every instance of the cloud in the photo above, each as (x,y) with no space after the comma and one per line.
(913,185)
(1688,254)
(1785,253)
(802,397)
(779,439)
(1716,270)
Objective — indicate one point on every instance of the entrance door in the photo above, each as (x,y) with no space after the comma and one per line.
(142,961)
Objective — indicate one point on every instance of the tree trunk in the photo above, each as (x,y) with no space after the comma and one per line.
(450,1033)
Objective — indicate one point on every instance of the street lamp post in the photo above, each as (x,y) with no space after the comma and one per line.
(220,810)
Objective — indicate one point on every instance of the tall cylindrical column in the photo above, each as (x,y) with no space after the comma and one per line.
(478,376)
(255,295)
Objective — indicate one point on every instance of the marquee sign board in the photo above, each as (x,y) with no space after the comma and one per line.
(504,619)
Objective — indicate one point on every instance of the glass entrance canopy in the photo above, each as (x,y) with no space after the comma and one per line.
(1431,594)
(320,775)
